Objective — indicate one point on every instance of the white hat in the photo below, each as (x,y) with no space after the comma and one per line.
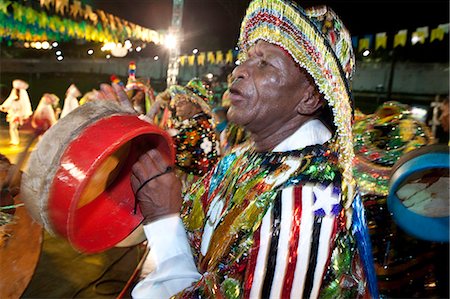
(73,91)
(19,84)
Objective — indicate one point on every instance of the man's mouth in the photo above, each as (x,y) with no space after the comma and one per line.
(235,95)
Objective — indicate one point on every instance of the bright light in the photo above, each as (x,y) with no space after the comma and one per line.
(128,44)
(45,45)
(138,49)
(60,58)
(26,44)
(90,51)
(130,49)
(108,46)
(58,53)
(156,57)
(209,76)
(38,45)
(195,51)
(55,44)
(366,53)
(170,41)
(236,48)
(108,56)
(415,39)
(419,113)
(237,62)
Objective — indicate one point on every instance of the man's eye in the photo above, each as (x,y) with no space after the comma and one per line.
(262,63)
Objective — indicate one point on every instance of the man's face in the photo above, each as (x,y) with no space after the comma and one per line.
(185,108)
(266,90)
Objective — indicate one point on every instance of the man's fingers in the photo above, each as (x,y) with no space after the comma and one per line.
(147,166)
(135,182)
(121,96)
(108,92)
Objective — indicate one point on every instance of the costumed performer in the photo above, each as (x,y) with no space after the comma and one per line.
(139,91)
(18,109)
(71,100)
(46,113)
(192,129)
(280,215)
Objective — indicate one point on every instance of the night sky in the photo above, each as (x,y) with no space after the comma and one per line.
(214,24)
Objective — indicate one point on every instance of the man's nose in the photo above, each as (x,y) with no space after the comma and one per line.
(240,72)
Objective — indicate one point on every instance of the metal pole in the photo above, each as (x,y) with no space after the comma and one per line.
(174,53)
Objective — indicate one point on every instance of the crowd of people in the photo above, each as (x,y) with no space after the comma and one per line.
(262,201)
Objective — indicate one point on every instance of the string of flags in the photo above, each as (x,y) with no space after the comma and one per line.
(41,20)
(376,41)
(402,38)
(210,57)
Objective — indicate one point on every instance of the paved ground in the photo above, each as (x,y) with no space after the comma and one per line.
(62,272)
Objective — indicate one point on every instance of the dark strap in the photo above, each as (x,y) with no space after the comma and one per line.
(168,169)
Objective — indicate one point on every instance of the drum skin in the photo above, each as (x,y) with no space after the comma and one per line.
(427,219)
(77,183)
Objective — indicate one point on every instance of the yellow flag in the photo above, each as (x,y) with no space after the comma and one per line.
(380,40)
(75,8)
(210,57)
(4,6)
(102,16)
(420,35)
(46,3)
(87,12)
(437,33)
(61,6)
(363,44)
(183,60)
(400,38)
(112,22)
(201,58)
(229,57)
(191,60)
(219,57)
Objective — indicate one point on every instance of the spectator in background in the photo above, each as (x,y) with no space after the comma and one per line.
(18,109)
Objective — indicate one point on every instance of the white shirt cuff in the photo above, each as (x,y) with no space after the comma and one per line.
(167,238)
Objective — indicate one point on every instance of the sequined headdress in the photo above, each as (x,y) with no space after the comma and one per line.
(196,92)
(318,41)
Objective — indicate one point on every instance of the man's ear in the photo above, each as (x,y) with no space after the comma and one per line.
(310,102)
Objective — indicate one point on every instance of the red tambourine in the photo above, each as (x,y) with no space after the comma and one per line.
(77,182)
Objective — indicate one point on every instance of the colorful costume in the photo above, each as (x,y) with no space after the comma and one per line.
(195,140)
(18,109)
(279,224)
(195,144)
(380,140)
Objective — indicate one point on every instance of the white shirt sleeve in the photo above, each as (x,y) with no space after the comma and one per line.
(175,269)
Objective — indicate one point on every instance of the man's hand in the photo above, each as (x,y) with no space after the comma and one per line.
(161,196)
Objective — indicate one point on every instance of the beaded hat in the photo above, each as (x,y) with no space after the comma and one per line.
(318,41)
(195,91)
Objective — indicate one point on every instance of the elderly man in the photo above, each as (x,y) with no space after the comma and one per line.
(279,216)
